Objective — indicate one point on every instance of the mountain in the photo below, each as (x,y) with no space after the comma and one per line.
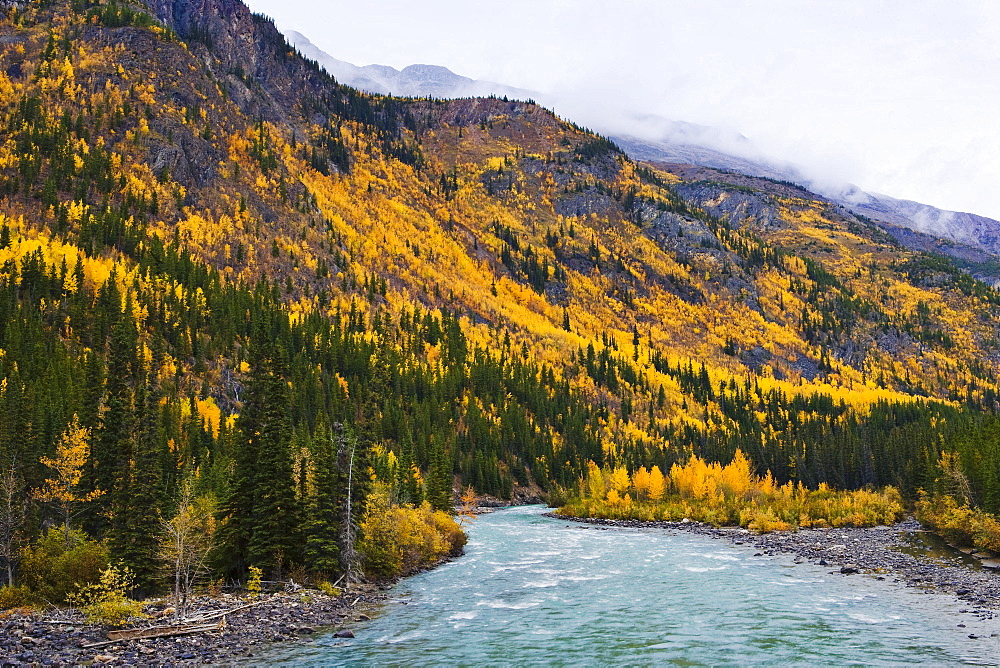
(966,229)
(225,273)
(412,81)
(653,138)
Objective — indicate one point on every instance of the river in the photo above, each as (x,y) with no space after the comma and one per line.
(532,590)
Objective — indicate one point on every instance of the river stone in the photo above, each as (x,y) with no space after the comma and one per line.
(849,569)
(344,633)
(992,564)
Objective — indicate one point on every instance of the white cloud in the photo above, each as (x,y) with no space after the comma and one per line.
(899,97)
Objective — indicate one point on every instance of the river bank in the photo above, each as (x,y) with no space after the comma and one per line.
(851,550)
(39,639)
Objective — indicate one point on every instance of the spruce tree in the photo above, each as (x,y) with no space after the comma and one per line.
(135,537)
(323,513)
(114,447)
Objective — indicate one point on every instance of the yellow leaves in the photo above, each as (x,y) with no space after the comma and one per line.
(67,465)
(640,482)
(145,93)
(6,90)
(342,383)
(656,485)
(732,495)
(595,481)
(620,480)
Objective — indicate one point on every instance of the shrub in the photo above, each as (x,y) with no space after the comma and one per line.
(328,588)
(106,601)
(254,582)
(15,596)
(727,495)
(959,524)
(59,564)
(397,540)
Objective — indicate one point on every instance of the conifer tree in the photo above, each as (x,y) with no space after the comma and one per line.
(323,512)
(135,537)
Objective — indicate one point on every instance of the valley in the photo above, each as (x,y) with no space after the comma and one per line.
(305,319)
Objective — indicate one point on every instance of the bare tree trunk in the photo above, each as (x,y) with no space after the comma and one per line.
(348,535)
(12,514)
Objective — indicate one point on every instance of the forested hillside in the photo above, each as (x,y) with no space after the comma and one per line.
(226,277)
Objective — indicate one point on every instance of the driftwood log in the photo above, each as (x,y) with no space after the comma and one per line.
(200,624)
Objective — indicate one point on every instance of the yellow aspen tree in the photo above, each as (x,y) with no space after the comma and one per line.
(185,542)
(63,489)
(640,482)
(736,477)
(467,509)
(620,480)
(595,481)
(657,484)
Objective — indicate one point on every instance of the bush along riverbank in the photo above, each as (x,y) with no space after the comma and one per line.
(99,622)
(726,495)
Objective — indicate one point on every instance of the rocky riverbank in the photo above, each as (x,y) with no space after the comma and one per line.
(38,639)
(849,551)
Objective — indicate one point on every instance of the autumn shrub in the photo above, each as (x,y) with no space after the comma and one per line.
(15,596)
(726,495)
(328,588)
(958,523)
(397,540)
(557,497)
(58,564)
(107,600)
(254,581)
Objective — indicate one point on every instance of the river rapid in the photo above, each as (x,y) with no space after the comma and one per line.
(533,590)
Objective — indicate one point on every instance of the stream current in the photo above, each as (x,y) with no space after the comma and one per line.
(532,590)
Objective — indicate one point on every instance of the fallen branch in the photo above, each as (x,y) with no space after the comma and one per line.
(157,632)
(222,613)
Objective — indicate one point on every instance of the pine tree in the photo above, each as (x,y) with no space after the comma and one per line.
(115,445)
(135,539)
(323,513)
(261,512)
(439,478)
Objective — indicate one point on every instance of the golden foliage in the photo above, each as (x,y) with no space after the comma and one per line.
(398,540)
(731,495)
(64,489)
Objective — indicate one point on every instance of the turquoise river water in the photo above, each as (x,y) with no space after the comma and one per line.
(532,590)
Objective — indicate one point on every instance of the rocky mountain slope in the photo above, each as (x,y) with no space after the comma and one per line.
(476,287)
(646,137)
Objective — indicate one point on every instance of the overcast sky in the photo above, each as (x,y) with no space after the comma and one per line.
(897,97)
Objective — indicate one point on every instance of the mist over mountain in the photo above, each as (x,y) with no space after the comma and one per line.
(654,138)
(411,81)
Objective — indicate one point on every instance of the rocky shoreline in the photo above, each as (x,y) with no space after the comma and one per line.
(852,550)
(39,640)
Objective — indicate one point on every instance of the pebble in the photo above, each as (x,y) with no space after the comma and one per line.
(281,618)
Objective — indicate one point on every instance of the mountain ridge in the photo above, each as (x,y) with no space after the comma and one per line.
(676,142)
